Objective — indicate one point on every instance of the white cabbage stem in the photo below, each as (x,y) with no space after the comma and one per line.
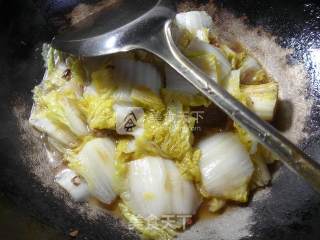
(62,135)
(194,21)
(95,163)
(263,99)
(76,121)
(155,187)
(129,73)
(199,48)
(224,164)
(76,186)
(261,176)
(232,83)
(248,68)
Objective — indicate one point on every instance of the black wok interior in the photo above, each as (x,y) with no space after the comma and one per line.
(29,211)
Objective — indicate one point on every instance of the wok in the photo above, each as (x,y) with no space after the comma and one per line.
(31,207)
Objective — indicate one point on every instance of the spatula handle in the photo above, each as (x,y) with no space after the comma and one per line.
(163,46)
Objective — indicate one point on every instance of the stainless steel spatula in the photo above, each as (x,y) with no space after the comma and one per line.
(146,24)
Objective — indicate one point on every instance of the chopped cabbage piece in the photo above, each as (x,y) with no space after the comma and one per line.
(232,84)
(236,59)
(189,165)
(194,20)
(168,136)
(95,163)
(262,99)
(102,81)
(155,187)
(209,58)
(261,175)
(246,139)
(143,97)
(203,34)
(198,23)
(182,37)
(55,70)
(128,81)
(136,73)
(73,184)
(99,111)
(122,94)
(78,74)
(59,132)
(225,167)
(66,74)
(208,64)
(252,72)
(63,109)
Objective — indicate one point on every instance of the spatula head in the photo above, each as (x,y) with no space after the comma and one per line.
(122,25)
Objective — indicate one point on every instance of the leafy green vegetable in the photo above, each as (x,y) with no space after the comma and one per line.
(102,81)
(236,59)
(50,60)
(232,84)
(154,168)
(143,97)
(79,191)
(189,165)
(123,155)
(156,187)
(252,72)
(197,23)
(261,175)
(168,137)
(95,163)
(249,142)
(78,73)
(209,58)
(225,166)
(55,130)
(62,108)
(262,99)
(184,38)
(99,111)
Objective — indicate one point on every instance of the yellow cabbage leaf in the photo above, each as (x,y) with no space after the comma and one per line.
(189,165)
(262,99)
(147,99)
(167,135)
(63,109)
(99,111)
(102,81)
(236,59)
